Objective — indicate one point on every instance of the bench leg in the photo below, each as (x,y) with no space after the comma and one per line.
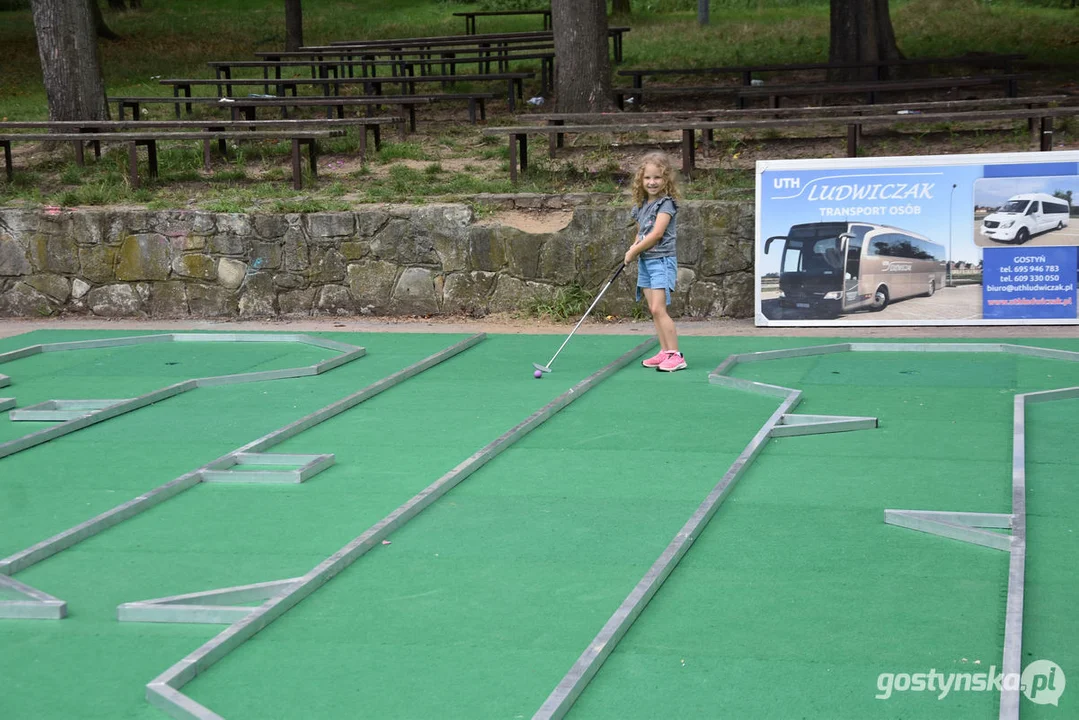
(363,141)
(555,140)
(1047,134)
(852,140)
(512,99)
(378,135)
(483,109)
(7,159)
(206,155)
(312,156)
(79,159)
(297,173)
(133,163)
(513,157)
(688,149)
(472,111)
(151,156)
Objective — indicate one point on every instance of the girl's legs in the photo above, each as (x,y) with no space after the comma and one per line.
(657,305)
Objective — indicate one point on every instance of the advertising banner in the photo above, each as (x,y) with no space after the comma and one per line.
(928,240)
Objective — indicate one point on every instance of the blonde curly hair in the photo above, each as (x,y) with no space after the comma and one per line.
(670,179)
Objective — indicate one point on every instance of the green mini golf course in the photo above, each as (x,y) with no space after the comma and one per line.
(606,542)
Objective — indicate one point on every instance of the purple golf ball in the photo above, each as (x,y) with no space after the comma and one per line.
(538,374)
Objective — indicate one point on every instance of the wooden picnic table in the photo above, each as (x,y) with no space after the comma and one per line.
(470,17)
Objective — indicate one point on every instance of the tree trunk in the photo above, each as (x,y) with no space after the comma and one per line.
(620,7)
(293,25)
(117,5)
(100,28)
(861,31)
(70,65)
(582,63)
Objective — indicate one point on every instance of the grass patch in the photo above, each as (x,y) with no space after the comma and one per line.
(402,151)
(565,303)
(306,205)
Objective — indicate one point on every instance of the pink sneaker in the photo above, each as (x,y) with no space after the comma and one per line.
(656,360)
(673,361)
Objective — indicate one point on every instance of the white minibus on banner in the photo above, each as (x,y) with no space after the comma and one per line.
(1026,215)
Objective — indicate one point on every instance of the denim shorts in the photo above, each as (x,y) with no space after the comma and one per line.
(657,273)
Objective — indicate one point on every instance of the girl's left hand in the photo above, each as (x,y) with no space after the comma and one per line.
(630,257)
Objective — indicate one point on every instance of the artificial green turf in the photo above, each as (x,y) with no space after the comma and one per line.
(798,596)
(789,605)
(537,549)
(1050,623)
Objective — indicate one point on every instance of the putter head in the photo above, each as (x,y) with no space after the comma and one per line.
(541,368)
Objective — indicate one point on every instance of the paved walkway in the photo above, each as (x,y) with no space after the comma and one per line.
(512,326)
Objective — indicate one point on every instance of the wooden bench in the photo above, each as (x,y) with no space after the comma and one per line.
(470,17)
(870,89)
(181,87)
(1004,62)
(936,106)
(399,64)
(518,136)
(150,138)
(97,126)
(495,43)
(615,34)
(335,105)
(246,107)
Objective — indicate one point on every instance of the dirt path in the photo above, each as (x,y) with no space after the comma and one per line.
(507,325)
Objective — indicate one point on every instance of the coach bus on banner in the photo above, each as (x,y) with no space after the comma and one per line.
(831,268)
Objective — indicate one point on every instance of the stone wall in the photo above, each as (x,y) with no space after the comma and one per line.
(377,260)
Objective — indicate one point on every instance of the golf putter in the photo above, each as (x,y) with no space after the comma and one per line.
(547,368)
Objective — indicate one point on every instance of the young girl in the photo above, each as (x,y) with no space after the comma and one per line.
(654,192)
